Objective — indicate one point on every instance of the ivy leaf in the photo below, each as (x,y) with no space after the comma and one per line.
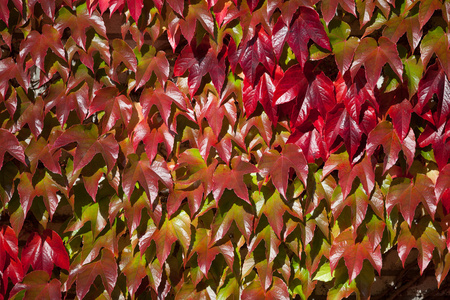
(44,251)
(426,10)
(407,194)
(105,267)
(401,116)
(292,84)
(163,99)
(147,174)
(10,265)
(79,23)
(374,56)
(89,144)
(340,123)
(116,107)
(31,114)
(134,270)
(385,135)
(307,26)
(344,246)
(343,45)
(442,186)
(347,173)
(434,82)
(256,50)
(122,52)
(149,63)
(232,178)
(135,8)
(436,41)
(37,45)
(200,61)
(37,286)
(175,229)
(329,7)
(11,145)
(277,165)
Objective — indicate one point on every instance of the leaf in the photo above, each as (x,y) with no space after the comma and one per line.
(307,26)
(343,45)
(31,114)
(232,178)
(37,45)
(413,73)
(385,135)
(89,144)
(426,10)
(175,229)
(329,7)
(436,42)
(134,270)
(147,174)
(407,194)
(344,246)
(442,186)
(135,8)
(149,63)
(37,286)
(340,123)
(374,56)
(277,165)
(105,267)
(434,82)
(79,23)
(257,50)
(271,241)
(122,52)
(401,116)
(44,251)
(11,145)
(10,265)
(116,107)
(163,98)
(200,60)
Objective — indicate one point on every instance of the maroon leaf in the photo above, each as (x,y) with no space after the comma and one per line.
(232,178)
(277,165)
(89,144)
(307,26)
(401,117)
(344,246)
(11,145)
(116,107)
(135,8)
(147,174)
(37,45)
(374,56)
(200,60)
(44,251)
(10,265)
(106,268)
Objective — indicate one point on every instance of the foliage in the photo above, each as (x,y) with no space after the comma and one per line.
(243,148)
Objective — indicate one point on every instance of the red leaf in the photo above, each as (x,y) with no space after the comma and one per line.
(401,117)
(36,286)
(307,26)
(106,267)
(426,10)
(443,188)
(89,144)
(434,82)
(11,145)
(37,45)
(311,143)
(31,114)
(255,51)
(79,23)
(232,179)
(116,107)
(277,165)
(344,246)
(122,52)
(374,56)
(385,135)
(200,61)
(340,123)
(329,7)
(197,12)
(44,251)
(347,173)
(149,63)
(148,175)
(292,84)
(135,8)
(408,194)
(134,270)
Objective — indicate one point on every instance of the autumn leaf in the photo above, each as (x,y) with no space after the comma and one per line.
(37,286)
(232,178)
(373,56)
(44,251)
